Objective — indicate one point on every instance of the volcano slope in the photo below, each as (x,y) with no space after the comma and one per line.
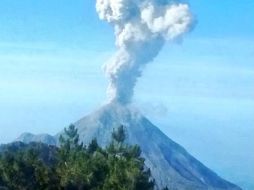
(171,165)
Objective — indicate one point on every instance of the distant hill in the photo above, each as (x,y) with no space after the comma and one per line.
(29,137)
(171,165)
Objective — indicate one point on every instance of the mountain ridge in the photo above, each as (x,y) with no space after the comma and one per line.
(180,169)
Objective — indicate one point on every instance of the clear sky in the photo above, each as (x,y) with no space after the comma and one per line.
(199,92)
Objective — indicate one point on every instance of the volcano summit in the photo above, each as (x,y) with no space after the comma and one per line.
(171,165)
(141,29)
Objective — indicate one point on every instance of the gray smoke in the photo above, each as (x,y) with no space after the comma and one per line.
(141,29)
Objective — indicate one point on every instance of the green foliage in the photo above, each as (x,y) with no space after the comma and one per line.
(126,165)
(119,135)
(23,170)
(93,146)
(70,139)
(74,163)
(73,166)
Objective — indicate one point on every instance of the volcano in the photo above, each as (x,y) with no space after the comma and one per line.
(171,165)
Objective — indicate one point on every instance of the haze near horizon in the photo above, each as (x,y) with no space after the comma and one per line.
(199,92)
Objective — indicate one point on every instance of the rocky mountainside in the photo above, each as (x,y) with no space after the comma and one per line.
(171,165)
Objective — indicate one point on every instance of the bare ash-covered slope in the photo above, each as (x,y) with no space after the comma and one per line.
(171,165)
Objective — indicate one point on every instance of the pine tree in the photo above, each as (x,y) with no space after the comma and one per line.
(24,170)
(70,139)
(73,166)
(127,169)
(119,135)
(93,146)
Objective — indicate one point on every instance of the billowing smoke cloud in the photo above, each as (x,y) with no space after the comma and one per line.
(141,29)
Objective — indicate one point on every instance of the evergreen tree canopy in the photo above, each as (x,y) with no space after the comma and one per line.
(119,134)
(74,166)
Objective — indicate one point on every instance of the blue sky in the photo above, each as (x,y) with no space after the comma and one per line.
(51,53)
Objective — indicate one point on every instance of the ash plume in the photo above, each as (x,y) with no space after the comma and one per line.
(141,29)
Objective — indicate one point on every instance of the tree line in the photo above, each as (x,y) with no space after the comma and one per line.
(75,166)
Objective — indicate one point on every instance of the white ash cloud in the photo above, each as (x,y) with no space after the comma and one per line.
(141,29)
